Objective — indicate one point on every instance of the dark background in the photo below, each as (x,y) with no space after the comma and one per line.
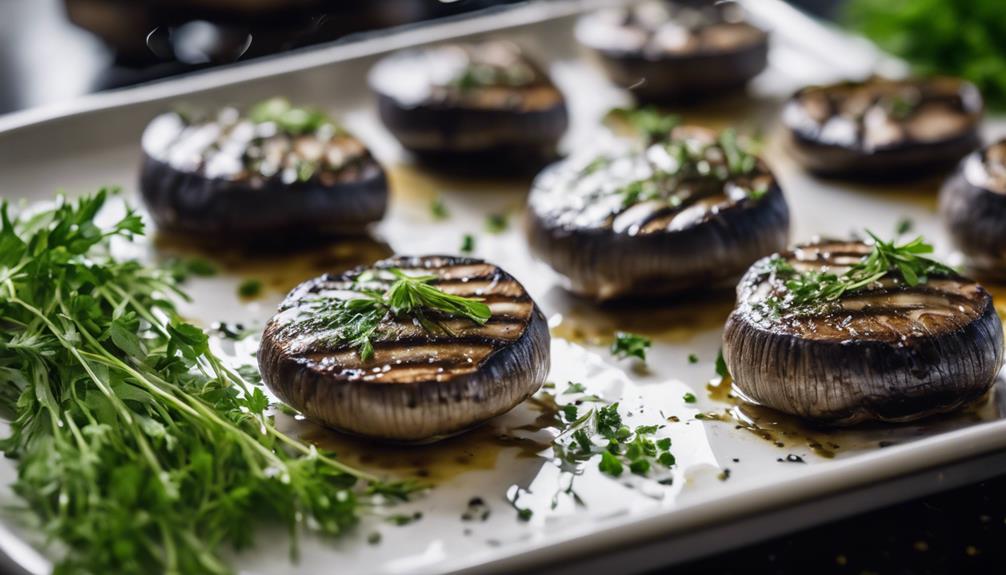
(46,58)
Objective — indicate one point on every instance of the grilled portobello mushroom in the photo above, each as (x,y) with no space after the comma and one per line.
(676,51)
(423,374)
(887,351)
(883,128)
(973,207)
(486,102)
(688,212)
(279,172)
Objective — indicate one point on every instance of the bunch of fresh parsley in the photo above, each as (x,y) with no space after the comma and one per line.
(138,450)
(966,39)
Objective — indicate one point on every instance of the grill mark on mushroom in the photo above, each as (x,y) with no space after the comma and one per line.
(888,353)
(400,392)
(231,178)
(485,102)
(681,52)
(698,233)
(883,128)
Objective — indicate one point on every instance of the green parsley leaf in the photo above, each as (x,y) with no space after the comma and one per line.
(649,122)
(496,223)
(610,464)
(689,398)
(721,365)
(628,345)
(904,226)
(574,388)
(289,118)
(438,209)
(250,288)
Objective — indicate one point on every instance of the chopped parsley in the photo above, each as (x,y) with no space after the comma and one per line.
(692,358)
(628,345)
(496,223)
(467,244)
(401,519)
(689,397)
(250,288)
(904,226)
(181,269)
(721,365)
(649,122)
(600,431)
(694,162)
(574,388)
(438,209)
(482,75)
(288,118)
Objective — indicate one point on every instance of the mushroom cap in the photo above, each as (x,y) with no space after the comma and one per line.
(232,179)
(883,129)
(973,209)
(419,385)
(675,54)
(487,102)
(890,353)
(692,236)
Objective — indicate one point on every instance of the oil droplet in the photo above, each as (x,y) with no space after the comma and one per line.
(413,183)
(923,193)
(721,389)
(477,449)
(676,323)
(781,429)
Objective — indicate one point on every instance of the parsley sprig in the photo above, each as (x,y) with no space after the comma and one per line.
(356,321)
(813,289)
(137,449)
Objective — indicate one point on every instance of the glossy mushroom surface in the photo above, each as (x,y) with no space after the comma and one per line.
(676,51)
(883,129)
(891,352)
(277,173)
(487,102)
(419,385)
(973,209)
(668,218)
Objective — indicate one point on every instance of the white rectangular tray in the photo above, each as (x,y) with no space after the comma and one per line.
(629,524)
